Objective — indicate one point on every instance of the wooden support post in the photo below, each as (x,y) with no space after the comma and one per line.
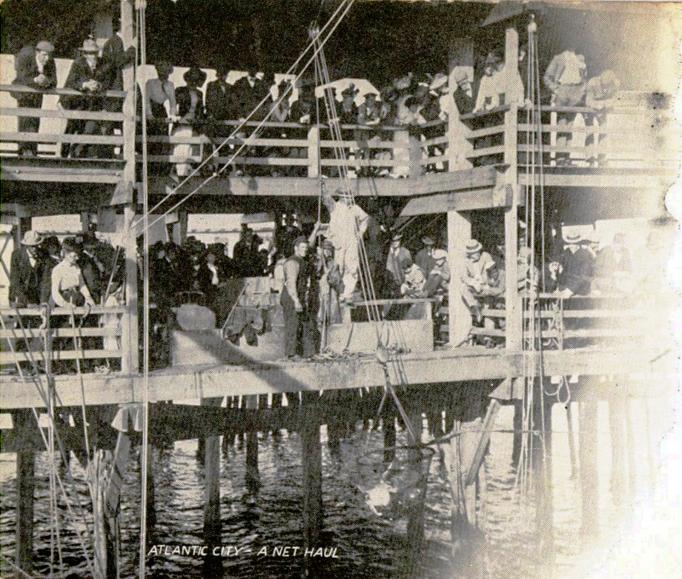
(313,151)
(518,432)
(311,450)
(618,441)
(179,227)
(212,521)
(460,60)
(130,331)
(25,490)
(415,521)
(589,474)
(542,459)
(509,179)
(252,475)
(459,317)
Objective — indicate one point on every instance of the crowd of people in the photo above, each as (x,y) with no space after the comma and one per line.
(413,101)
(315,271)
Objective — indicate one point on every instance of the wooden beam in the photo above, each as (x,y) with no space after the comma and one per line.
(637,179)
(589,467)
(476,178)
(453,201)
(130,338)
(447,366)
(508,179)
(124,193)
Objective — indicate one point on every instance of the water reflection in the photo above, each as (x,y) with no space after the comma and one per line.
(269,514)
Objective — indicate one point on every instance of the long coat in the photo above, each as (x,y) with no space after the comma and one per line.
(25,280)
(26,70)
(79,73)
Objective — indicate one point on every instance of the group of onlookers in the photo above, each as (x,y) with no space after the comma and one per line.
(413,101)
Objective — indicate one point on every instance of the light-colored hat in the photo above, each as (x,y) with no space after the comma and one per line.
(32,238)
(473,246)
(439,254)
(89,46)
(45,46)
(426,240)
(397,237)
(341,194)
(572,238)
(439,81)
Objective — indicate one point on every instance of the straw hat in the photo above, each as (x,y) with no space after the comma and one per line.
(473,246)
(572,238)
(439,254)
(32,238)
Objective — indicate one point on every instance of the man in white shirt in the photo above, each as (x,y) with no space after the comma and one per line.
(68,286)
(347,226)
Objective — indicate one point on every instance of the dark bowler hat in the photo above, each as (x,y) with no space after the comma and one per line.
(222,69)
(89,46)
(300,239)
(195,74)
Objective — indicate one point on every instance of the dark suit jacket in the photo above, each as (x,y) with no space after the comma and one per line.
(26,70)
(115,58)
(465,103)
(184,102)
(247,97)
(79,73)
(220,101)
(25,282)
(578,270)
(91,275)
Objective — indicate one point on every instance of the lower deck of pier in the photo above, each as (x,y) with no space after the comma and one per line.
(252,378)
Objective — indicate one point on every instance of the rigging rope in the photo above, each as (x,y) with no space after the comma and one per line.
(345,5)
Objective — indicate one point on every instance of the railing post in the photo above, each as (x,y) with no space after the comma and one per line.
(313,151)
(129,326)
(414,149)
(459,317)
(401,153)
(509,178)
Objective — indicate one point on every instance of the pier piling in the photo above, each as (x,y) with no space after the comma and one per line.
(312,469)
(25,490)
(589,474)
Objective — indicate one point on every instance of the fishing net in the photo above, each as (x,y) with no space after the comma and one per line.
(394,488)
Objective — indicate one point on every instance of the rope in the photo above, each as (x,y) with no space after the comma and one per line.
(46,444)
(145,311)
(345,5)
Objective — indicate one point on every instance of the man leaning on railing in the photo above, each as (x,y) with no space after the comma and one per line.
(35,68)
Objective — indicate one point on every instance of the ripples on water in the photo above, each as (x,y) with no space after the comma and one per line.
(368,546)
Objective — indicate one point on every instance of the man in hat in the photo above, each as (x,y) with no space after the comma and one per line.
(397,255)
(413,280)
(347,111)
(527,278)
(249,91)
(347,226)
(424,258)
(89,76)
(475,276)
(35,68)
(219,96)
(574,269)
(437,280)
(330,285)
(27,267)
(369,114)
(299,337)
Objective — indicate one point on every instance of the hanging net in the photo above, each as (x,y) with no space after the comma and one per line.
(393,489)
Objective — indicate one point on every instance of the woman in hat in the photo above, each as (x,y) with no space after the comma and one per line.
(190,101)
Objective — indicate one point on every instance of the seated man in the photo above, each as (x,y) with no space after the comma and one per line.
(437,281)
(413,280)
(574,270)
(474,279)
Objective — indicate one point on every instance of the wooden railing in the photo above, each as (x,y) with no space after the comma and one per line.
(37,337)
(293,149)
(639,137)
(565,323)
(49,141)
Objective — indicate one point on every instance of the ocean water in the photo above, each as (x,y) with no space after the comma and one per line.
(359,542)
